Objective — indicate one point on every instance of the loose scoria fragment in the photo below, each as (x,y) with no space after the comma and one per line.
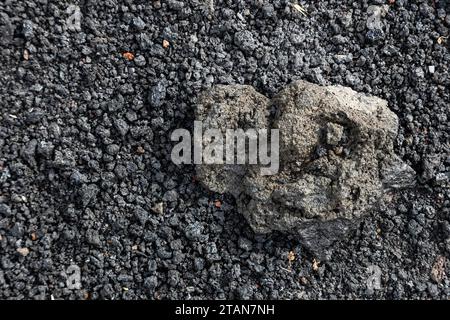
(336,158)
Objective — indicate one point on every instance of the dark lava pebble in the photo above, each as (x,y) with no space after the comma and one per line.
(85,173)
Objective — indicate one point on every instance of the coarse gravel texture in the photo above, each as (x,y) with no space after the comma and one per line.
(85,171)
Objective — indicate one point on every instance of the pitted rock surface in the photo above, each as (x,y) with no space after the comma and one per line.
(229,107)
(336,152)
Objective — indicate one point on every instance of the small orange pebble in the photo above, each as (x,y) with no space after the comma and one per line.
(391,1)
(217,203)
(128,55)
(33,236)
(165,44)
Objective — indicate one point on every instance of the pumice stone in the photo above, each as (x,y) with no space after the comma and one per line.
(336,158)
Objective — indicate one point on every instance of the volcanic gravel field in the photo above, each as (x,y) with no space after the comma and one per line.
(86,179)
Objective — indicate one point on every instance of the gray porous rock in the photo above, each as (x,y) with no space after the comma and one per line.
(229,107)
(336,158)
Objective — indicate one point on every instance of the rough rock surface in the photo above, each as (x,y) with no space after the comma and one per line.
(336,158)
(229,107)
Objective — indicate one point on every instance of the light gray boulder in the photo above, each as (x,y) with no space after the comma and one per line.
(336,158)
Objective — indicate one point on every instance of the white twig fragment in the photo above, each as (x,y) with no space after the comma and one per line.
(300,9)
